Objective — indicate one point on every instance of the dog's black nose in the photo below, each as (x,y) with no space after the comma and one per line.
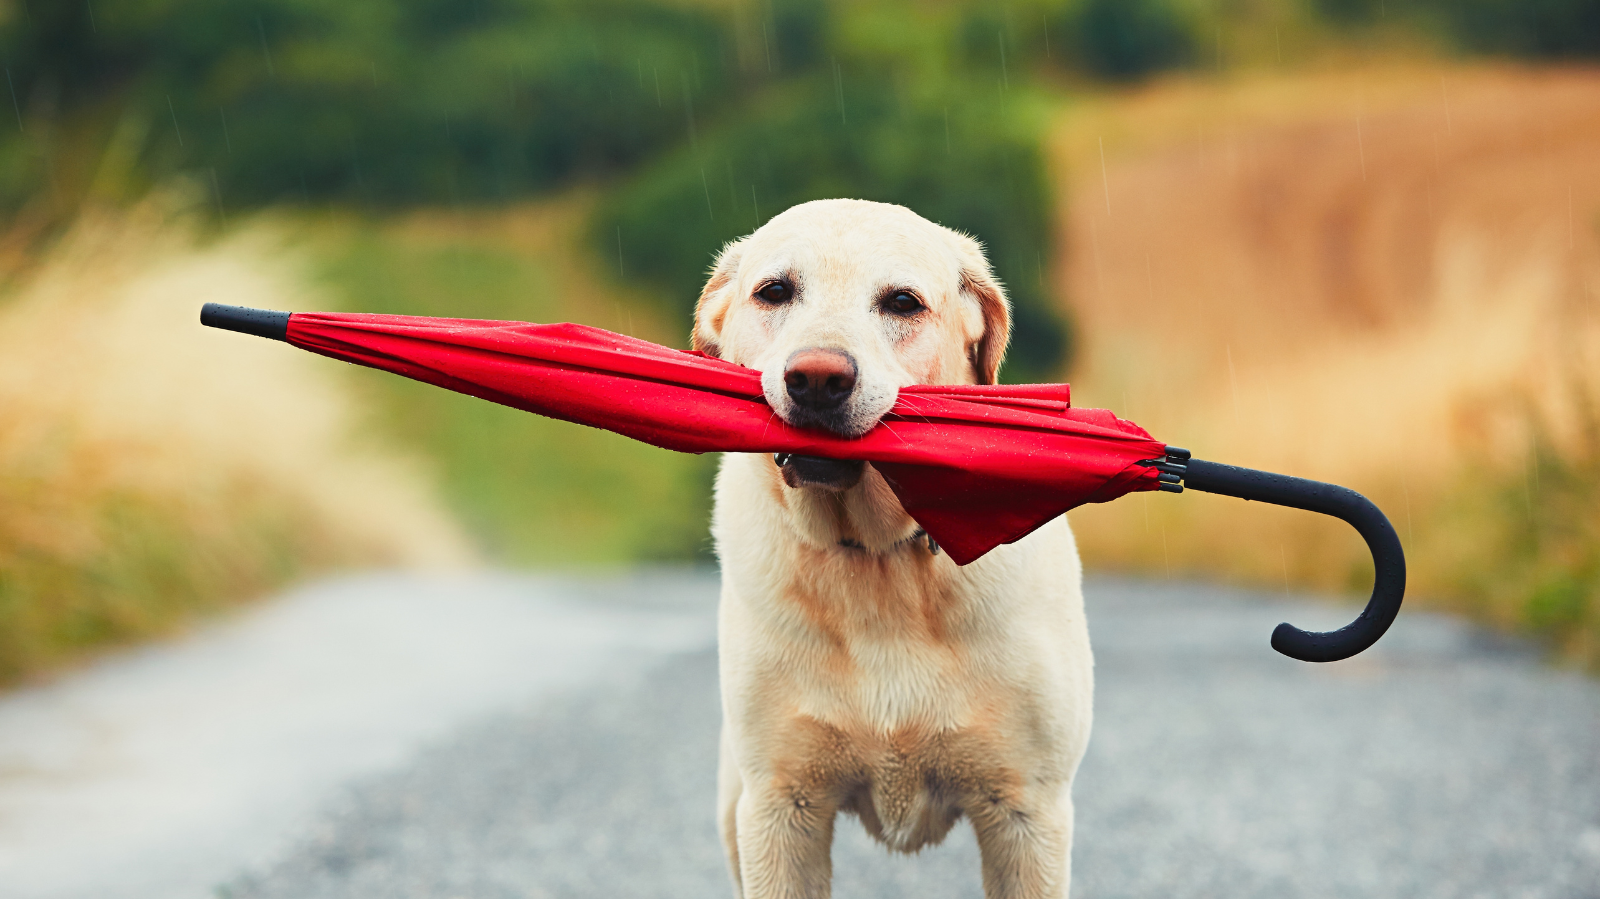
(820,379)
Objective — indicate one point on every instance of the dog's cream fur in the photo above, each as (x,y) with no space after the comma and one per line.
(863,672)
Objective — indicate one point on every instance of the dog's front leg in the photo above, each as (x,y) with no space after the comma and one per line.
(1026,844)
(785,839)
(729,788)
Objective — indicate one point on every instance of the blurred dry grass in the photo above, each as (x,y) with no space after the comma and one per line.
(150,468)
(1388,279)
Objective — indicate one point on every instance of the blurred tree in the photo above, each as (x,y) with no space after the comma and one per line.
(382,102)
(967,160)
(898,103)
(1534,28)
(796,34)
(372,100)
(1123,40)
(1348,12)
(1549,28)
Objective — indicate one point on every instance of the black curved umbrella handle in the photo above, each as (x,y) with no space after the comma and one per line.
(1178,470)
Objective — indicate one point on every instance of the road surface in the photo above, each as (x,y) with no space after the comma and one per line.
(486,736)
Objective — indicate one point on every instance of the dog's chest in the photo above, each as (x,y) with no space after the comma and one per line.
(897,715)
(908,785)
(889,653)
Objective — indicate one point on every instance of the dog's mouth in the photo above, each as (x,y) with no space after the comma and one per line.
(838,421)
(815,471)
(850,420)
(825,390)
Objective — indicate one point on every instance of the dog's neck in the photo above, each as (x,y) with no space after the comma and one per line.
(867,517)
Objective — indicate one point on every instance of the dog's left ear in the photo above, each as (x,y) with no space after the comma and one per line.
(716,298)
(979,286)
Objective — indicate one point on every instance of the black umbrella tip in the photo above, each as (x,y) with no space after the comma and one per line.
(260,322)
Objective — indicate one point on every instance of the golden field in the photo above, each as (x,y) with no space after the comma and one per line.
(1388,279)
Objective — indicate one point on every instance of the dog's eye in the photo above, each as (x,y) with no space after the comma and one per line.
(903,302)
(775,292)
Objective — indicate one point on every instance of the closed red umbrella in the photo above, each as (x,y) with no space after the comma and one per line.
(975,466)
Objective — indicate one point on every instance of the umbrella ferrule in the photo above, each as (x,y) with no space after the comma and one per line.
(258,322)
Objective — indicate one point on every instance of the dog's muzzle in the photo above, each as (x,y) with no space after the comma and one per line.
(819,391)
(820,380)
(815,471)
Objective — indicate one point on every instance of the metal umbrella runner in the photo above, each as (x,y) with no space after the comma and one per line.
(975,466)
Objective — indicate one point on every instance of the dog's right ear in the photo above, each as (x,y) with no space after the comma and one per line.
(716,299)
(979,286)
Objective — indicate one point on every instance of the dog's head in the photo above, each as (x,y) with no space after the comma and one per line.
(839,303)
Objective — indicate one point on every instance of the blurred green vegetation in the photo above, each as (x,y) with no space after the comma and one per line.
(966,158)
(382,102)
(1536,566)
(1127,39)
(531,490)
(935,108)
(1529,28)
(371,101)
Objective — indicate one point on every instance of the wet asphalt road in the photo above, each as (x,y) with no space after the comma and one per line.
(1444,763)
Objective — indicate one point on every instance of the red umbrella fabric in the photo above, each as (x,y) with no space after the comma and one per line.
(974,466)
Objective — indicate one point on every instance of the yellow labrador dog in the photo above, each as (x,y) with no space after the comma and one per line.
(862,670)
